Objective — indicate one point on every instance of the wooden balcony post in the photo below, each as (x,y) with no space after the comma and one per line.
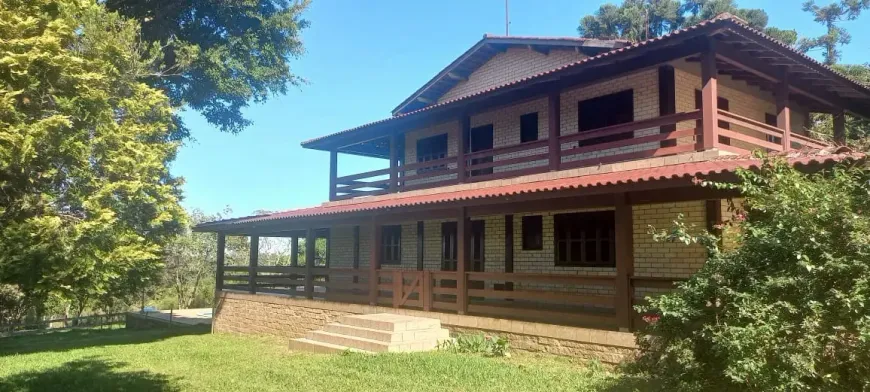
(709,97)
(461,145)
(398,282)
(294,251)
(310,252)
(333,174)
(254,256)
(394,160)
(783,111)
(462,242)
(624,262)
(553,130)
(426,290)
(375,248)
(839,126)
(221,252)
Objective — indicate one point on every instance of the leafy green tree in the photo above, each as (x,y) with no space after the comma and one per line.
(788,308)
(642,19)
(216,56)
(830,16)
(85,193)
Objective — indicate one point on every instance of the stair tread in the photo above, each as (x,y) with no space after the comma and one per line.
(330,345)
(322,332)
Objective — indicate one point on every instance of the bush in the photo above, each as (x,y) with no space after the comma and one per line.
(13,304)
(488,345)
(788,309)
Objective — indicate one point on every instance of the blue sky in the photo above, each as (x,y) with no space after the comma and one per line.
(362,59)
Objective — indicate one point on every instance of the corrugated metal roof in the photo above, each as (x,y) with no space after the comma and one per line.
(725,164)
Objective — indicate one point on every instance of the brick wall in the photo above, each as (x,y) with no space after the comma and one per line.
(664,259)
(513,64)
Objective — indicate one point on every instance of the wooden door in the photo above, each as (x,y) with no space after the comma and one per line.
(479,139)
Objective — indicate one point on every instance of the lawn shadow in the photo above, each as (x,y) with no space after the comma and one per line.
(89,374)
(83,338)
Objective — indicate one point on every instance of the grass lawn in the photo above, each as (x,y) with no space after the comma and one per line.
(121,360)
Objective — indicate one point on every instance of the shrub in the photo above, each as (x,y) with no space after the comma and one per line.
(488,345)
(788,308)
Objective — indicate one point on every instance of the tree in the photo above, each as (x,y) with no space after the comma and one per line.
(190,260)
(85,193)
(217,55)
(788,309)
(830,15)
(638,20)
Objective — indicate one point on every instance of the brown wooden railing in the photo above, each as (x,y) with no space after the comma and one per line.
(661,136)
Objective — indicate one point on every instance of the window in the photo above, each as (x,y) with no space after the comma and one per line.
(529,127)
(480,139)
(430,149)
(770,119)
(585,239)
(533,232)
(449,247)
(391,241)
(605,111)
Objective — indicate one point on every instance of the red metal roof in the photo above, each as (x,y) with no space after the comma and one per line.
(722,18)
(725,164)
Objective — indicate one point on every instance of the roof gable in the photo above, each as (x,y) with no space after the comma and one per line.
(495,52)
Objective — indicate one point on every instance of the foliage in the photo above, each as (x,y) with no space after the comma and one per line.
(86,199)
(13,304)
(830,15)
(190,261)
(788,309)
(637,20)
(217,56)
(488,345)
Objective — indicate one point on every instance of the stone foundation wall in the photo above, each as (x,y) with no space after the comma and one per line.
(289,318)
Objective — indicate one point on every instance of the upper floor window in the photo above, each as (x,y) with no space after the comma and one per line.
(606,111)
(585,239)
(430,149)
(391,243)
(529,127)
(770,119)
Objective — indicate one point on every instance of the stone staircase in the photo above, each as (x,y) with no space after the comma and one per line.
(374,333)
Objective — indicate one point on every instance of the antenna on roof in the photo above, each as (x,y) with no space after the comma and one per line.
(507,19)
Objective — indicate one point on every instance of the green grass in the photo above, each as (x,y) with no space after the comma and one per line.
(155,360)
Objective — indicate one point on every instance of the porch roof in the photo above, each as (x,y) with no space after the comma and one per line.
(747,54)
(686,167)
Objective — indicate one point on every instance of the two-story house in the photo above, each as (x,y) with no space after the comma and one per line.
(519,183)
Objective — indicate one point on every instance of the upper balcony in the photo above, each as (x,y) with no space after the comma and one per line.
(718,86)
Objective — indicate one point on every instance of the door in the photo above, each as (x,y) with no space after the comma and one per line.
(450,246)
(479,139)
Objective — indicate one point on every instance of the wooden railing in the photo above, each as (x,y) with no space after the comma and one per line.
(661,136)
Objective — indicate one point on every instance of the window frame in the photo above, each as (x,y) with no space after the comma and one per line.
(628,95)
(564,225)
(391,245)
(527,133)
(532,222)
(432,155)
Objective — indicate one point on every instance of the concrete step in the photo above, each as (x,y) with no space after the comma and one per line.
(388,336)
(391,322)
(303,344)
(370,344)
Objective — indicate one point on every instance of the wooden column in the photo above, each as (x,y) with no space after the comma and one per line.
(394,160)
(839,126)
(221,257)
(461,145)
(463,252)
(624,262)
(253,259)
(420,231)
(310,252)
(509,248)
(294,251)
(375,248)
(333,174)
(554,122)
(709,97)
(356,252)
(783,111)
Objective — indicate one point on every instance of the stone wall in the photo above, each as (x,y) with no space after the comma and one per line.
(289,318)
